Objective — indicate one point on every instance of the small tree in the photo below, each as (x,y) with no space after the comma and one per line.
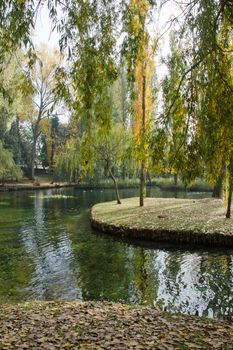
(110,149)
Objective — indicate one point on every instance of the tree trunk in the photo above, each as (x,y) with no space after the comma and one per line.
(51,163)
(36,134)
(115,186)
(123,95)
(148,177)
(175,179)
(228,213)
(142,185)
(217,191)
(123,172)
(74,177)
(33,157)
(142,175)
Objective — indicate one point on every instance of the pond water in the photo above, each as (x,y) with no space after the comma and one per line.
(49,251)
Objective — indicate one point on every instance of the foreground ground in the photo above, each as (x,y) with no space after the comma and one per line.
(199,221)
(77,325)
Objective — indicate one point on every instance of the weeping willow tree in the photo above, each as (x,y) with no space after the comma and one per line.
(139,55)
(68,161)
(216,126)
(8,169)
(93,70)
(143,108)
(207,82)
(110,150)
(215,91)
(177,120)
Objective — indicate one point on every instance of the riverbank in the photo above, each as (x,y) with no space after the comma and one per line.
(30,185)
(166,184)
(101,325)
(187,221)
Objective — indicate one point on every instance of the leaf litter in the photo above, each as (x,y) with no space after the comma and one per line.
(104,325)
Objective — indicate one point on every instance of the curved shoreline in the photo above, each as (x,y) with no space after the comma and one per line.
(112,219)
(158,235)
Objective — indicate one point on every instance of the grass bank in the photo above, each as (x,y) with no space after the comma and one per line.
(88,325)
(189,221)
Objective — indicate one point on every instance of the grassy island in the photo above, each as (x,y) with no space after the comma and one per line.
(190,221)
(101,325)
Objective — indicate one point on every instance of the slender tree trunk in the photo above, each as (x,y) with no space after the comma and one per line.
(142,175)
(74,177)
(217,191)
(175,179)
(33,157)
(148,177)
(228,213)
(51,165)
(115,186)
(106,171)
(123,95)
(218,188)
(19,148)
(123,172)
(142,185)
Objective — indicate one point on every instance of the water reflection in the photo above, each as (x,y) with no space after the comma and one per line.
(48,251)
(51,252)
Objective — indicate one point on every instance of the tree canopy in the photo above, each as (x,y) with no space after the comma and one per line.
(180,126)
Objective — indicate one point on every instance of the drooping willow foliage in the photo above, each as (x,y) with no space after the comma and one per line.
(8,169)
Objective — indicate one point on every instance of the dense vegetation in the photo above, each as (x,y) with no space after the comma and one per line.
(125,120)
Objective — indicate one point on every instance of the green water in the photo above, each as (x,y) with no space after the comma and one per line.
(49,251)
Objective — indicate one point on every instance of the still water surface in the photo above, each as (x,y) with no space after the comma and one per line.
(49,251)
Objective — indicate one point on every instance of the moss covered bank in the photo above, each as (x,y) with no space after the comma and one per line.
(189,221)
(88,325)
